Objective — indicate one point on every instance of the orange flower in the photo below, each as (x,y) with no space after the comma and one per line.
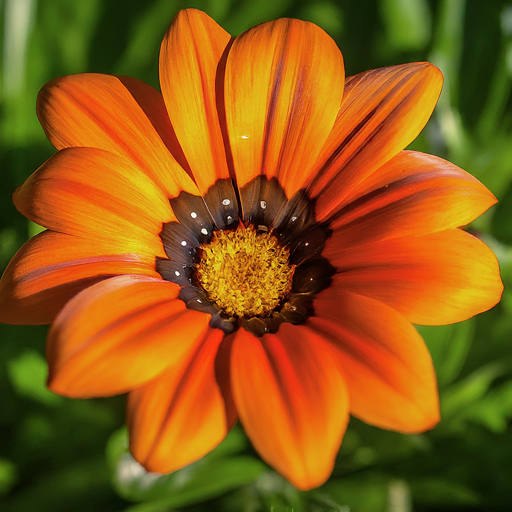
(253,244)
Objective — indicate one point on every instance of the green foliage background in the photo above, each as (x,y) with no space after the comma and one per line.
(61,455)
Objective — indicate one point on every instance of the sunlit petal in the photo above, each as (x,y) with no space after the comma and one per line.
(119,334)
(417,194)
(96,195)
(435,279)
(383,111)
(181,415)
(386,366)
(189,59)
(291,400)
(284,84)
(53,267)
(100,111)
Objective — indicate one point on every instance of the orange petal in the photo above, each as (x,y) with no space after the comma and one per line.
(101,111)
(291,400)
(383,111)
(119,334)
(52,267)
(387,367)
(417,194)
(152,103)
(181,415)
(283,89)
(440,278)
(189,57)
(96,195)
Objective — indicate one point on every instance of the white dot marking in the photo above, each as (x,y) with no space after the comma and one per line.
(193,215)
(306,244)
(226,202)
(204,231)
(177,273)
(230,219)
(263,204)
(183,242)
(245,136)
(294,219)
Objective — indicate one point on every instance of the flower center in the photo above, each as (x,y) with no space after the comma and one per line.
(245,273)
(264,273)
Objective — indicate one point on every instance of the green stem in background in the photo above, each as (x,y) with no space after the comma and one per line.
(18,23)
(501,84)
(446,54)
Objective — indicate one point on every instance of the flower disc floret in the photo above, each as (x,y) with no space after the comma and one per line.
(245,273)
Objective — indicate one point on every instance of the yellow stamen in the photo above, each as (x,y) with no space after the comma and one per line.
(244,272)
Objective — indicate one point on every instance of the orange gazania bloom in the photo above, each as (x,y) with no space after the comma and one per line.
(253,243)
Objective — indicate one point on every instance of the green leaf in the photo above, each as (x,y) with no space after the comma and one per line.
(449,346)
(460,401)
(365,492)
(440,492)
(202,481)
(501,225)
(8,475)
(27,374)
(327,15)
(495,410)
(217,473)
(408,23)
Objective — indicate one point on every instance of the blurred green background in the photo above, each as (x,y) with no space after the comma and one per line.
(70,455)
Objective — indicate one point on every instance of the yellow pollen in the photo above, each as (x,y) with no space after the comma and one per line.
(245,273)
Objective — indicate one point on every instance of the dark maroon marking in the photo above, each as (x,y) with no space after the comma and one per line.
(313,276)
(308,243)
(222,203)
(263,200)
(180,244)
(294,217)
(175,271)
(294,226)
(192,213)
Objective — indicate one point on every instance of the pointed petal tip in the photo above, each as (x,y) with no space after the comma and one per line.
(190,56)
(421,424)
(385,363)
(429,70)
(418,422)
(182,414)
(298,422)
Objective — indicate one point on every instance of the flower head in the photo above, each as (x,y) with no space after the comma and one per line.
(254,243)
